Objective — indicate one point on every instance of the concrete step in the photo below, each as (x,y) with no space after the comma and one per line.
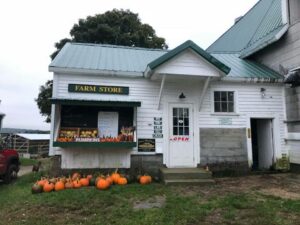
(189,181)
(185,173)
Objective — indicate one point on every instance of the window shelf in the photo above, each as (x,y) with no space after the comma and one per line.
(95,144)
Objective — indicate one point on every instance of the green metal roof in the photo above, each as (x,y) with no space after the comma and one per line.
(189,45)
(118,59)
(260,26)
(98,57)
(244,68)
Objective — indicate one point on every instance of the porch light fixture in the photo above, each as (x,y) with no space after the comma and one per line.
(181,96)
(263,92)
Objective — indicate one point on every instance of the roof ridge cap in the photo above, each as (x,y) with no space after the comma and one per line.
(117,46)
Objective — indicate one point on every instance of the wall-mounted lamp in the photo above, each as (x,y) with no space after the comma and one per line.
(181,96)
(263,92)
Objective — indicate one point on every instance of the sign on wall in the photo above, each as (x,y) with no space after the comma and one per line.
(97,89)
(146,145)
(157,127)
(225,121)
(108,123)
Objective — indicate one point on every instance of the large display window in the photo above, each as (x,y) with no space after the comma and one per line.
(96,124)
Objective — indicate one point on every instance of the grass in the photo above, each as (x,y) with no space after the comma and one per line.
(116,206)
(28,162)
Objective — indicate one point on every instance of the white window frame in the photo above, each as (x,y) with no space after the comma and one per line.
(235,102)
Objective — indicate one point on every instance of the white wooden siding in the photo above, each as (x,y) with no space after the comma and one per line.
(249,103)
(189,63)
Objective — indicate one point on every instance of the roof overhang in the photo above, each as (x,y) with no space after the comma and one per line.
(86,102)
(95,72)
(253,49)
(152,66)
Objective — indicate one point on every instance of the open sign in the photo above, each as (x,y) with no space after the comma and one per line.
(179,138)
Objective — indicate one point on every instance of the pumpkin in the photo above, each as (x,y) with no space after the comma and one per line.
(48,187)
(63,179)
(36,188)
(109,179)
(84,182)
(77,184)
(42,182)
(102,184)
(122,181)
(115,177)
(145,179)
(59,186)
(76,176)
(69,184)
(89,176)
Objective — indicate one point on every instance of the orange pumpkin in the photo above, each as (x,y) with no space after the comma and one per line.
(77,184)
(89,176)
(102,184)
(76,176)
(122,181)
(48,187)
(59,185)
(145,179)
(42,182)
(110,180)
(69,184)
(84,182)
(115,177)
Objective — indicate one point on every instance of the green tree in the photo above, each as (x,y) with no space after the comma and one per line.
(117,27)
(43,100)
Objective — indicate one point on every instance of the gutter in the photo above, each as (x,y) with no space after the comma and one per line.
(95,72)
(254,80)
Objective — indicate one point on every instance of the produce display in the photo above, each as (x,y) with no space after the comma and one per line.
(92,135)
(77,180)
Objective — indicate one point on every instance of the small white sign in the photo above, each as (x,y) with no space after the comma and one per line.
(108,123)
(225,121)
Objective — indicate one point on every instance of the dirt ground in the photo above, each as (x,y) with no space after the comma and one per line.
(283,185)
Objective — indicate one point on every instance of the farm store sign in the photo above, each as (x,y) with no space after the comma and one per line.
(97,89)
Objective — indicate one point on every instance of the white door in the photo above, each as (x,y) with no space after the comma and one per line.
(181,141)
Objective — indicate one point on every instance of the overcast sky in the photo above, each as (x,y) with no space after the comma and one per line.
(30,28)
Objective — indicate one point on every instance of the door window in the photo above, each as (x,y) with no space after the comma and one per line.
(181,121)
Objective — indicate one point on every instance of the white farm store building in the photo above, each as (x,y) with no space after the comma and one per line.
(125,107)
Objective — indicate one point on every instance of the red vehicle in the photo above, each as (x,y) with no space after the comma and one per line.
(9,164)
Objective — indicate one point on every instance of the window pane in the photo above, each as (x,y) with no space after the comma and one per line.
(185,112)
(223,96)
(224,107)
(186,121)
(175,131)
(230,107)
(180,112)
(217,96)
(186,131)
(180,131)
(230,96)
(175,121)
(217,107)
